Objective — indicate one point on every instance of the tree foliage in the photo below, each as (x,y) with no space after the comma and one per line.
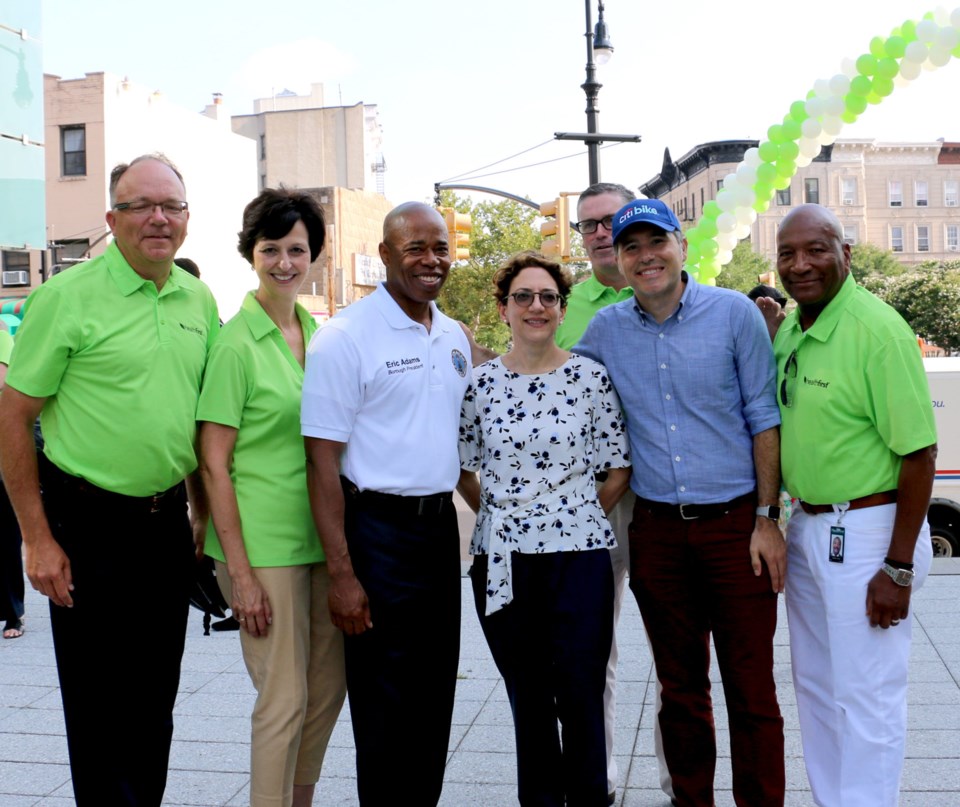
(742,271)
(928,298)
(500,229)
(867,260)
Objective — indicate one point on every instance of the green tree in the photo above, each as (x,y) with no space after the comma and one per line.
(928,298)
(867,260)
(500,228)
(742,271)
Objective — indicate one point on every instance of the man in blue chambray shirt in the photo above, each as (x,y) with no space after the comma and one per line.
(694,369)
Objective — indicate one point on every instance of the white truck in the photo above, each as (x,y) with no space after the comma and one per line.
(944,513)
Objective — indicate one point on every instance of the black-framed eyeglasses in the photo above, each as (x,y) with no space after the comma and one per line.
(171,208)
(588,226)
(548,299)
(789,384)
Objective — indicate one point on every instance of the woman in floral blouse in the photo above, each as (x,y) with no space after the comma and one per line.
(539,425)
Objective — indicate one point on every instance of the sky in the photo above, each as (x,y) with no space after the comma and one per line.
(461,86)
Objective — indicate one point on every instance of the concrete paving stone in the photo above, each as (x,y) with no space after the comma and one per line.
(942,693)
(210,756)
(465,712)
(339,763)
(475,689)
(488,738)
(21,695)
(482,768)
(342,736)
(21,748)
(192,681)
(37,779)
(56,801)
(199,788)
(928,799)
(923,672)
(213,728)
(932,716)
(642,797)
(233,683)
(461,794)
(457,733)
(932,774)
(329,793)
(9,800)
(933,744)
(35,721)
(947,651)
(13,671)
(219,704)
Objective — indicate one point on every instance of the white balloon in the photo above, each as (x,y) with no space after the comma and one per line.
(725,240)
(811,129)
(814,107)
(745,196)
(827,139)
(948,38)
(938,56)
(746,215)
(747,175)
(916,52)
(849,67)
(927,30)
(803,160)
(726,222)
(724,256)
(730,180)
(832,125)
(835,106)
(900,80)
(809,145)
(955,18)
(941,15)
(725,200)
(742,231)
(840,84)
(822,88)
(752,157)
(910,70)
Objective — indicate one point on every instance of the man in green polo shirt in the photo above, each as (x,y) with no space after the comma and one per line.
(111,355)
(858,447)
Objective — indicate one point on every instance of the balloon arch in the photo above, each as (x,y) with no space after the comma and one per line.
(811,124)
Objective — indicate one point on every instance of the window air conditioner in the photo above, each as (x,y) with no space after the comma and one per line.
(16,278)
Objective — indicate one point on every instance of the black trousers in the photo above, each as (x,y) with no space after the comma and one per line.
(402,673)
(119,647)
(11,562)
(551,644)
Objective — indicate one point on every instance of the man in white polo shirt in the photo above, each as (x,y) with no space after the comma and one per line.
(381,411)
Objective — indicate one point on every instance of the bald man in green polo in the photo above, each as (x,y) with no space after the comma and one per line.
(110,356)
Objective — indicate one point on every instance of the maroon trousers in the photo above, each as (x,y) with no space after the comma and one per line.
(692,578)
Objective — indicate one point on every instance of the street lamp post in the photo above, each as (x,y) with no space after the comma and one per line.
(599,47)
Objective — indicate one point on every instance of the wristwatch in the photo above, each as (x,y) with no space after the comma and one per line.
(902,577)
(770,511)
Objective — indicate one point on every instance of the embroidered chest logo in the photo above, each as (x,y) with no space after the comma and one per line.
(459,362)
(815,382)
(395,366)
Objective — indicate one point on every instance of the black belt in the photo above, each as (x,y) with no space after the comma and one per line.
(873,500)
(51,473)
(432,505)
(689,512)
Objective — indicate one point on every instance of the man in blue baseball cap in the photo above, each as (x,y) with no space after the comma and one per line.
(694,369)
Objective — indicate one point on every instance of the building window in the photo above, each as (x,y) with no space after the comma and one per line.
(693,206)
(16,268)
(920,192)
(783,197)
(951,192)
(850,234)
(73,147)
(263,147)
(719,185)
(848,190)
(263,181)
(811,191)
(923,238)
(896,193)
(896,239)
(952,238)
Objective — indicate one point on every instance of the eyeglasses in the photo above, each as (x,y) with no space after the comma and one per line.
(524,299)
(789,384)
(170,209)
(588,226)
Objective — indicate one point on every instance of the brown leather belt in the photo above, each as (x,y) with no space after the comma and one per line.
(873,500)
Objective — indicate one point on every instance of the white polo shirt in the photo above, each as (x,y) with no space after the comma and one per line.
(379,382)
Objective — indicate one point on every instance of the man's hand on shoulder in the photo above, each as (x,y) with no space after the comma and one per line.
(773,314)
(768,546)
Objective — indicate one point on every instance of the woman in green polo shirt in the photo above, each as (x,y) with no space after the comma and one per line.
(269,560)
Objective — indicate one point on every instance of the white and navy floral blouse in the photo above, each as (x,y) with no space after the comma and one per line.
(538,442)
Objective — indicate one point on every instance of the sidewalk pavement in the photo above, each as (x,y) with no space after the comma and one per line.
(209,758)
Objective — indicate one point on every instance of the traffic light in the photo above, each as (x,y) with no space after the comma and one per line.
(459,226)
(556,229)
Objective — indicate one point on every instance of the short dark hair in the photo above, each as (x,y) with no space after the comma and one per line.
(599,188)
(119,170)
(273,213)
(515,264)
(763,290)
(188,266)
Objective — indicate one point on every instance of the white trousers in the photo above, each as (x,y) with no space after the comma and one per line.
(850,679)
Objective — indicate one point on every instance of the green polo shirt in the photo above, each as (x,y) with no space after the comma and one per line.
(120,366)
(858,403)
(586,298)
(253,384)
(6,347)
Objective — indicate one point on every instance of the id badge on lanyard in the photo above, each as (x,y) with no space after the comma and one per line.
(838,534)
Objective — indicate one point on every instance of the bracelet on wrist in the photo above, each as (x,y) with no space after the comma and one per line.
(898,564)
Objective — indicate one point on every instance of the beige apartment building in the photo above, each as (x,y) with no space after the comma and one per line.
(904,197)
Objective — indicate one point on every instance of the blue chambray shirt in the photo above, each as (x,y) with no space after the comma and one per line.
(695,390)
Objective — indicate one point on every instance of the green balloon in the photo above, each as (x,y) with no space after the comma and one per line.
(785,168)
(798,111)
(789,150)
(856,104)
(874,98)
(848,117)
(775,133)
(693,253)
(882,86)
(896,46)
(908,31)
(867,64)
(768,151)
(956,51)
(859,85)
(708,228)
(711,210)
(877,47)
(764,190)
(761,205)
(887,68)
(791,131)
(765,173)
(708,250)
(781,183)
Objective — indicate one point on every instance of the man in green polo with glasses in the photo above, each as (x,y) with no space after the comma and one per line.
(111,354)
